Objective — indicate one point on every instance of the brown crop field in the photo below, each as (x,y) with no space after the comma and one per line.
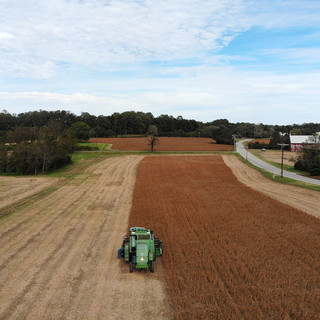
(229,252)
(264,141)
(165,144)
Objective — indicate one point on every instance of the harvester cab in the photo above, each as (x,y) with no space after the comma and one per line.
(140,248)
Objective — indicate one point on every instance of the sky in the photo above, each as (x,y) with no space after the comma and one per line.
(252,61)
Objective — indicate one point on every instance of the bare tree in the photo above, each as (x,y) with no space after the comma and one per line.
(153,139)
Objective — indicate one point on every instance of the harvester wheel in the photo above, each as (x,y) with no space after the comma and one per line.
(131,266)
(152,266)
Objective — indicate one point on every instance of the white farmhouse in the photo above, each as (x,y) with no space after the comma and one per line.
(297,142)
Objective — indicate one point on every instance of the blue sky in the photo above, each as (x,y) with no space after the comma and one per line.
(244,60)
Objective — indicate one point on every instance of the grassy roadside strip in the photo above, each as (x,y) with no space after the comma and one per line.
(278,165)
(278,178)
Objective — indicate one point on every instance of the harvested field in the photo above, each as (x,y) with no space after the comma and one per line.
(275,156)
(165,144)
(58,256)
(229,252)
(303,199)
(13,189)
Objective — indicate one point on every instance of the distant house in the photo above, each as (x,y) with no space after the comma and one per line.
(297,142)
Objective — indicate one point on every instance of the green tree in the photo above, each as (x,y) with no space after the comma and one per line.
(153,139)
(296,131)
(222,135)
(258,130)
(309,157)
(277,138)
(3,158)
(80,130)
(315,166)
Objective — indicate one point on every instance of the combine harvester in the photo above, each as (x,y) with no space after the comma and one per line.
(140,248)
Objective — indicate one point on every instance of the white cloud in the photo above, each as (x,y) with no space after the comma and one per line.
(296,55)
(6,36)
(101,33)
(284,13)
(203,95)
(103,56)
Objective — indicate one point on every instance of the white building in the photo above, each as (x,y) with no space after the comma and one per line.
(297,142)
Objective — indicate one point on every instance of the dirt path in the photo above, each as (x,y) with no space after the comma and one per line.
(58,257)
(300,198)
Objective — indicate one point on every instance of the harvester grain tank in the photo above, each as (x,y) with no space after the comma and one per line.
(140,248)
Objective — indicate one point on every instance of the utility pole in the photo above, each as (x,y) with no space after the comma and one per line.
(282,145)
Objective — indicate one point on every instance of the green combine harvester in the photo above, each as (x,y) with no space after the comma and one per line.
(140,248)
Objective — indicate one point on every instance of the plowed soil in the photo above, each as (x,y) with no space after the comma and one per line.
(229,252)
(58,256)
(165,144)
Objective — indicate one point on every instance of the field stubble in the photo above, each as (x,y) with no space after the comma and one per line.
(58,256)
(13,189)
(229,252)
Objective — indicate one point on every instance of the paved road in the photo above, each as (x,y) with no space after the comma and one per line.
(261,164)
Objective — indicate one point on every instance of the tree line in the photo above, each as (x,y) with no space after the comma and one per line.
(132,122)
(309,157)
(35,150)
(40,141)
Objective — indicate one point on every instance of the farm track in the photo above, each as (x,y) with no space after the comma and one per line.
(58,256)
(229,252)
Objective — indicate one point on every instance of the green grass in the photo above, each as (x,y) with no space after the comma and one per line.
(101,146)
(278,165)
(278,178)
(67,172)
